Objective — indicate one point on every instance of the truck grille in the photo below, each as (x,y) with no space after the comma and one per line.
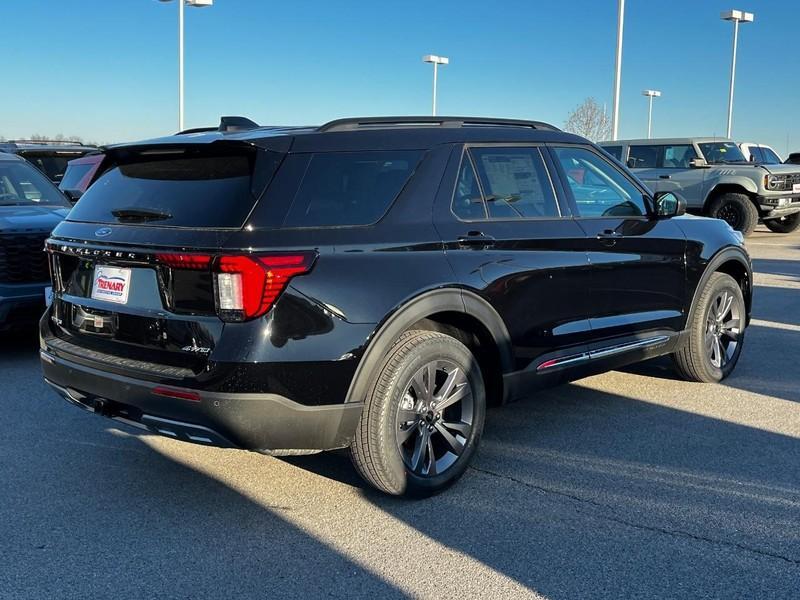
(22,258)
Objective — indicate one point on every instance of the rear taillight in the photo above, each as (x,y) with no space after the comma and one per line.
(245,286)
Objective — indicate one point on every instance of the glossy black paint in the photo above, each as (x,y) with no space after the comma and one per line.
(539,289)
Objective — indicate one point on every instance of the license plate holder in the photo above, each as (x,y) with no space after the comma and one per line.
(111,284)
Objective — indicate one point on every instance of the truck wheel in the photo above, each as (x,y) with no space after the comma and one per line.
(715,332)
(423,416)
(784,224)
(737,210)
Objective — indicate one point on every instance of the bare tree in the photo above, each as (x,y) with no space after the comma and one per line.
(589,120)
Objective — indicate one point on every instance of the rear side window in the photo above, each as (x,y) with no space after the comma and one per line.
(515,183)
(189,189)
(350,188)
(643,157)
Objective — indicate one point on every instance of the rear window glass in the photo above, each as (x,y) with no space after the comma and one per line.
(73,175)
(52,166)
(194,189)
(350,188)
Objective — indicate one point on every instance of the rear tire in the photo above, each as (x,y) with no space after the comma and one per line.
(715,332)
(414,438)
(784,224)
(737,210)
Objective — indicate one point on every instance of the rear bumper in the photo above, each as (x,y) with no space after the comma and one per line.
(266,423)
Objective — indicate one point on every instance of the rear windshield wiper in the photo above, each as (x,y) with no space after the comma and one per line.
(140,214)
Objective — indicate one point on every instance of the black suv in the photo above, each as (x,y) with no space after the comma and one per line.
(373,284)
(49,156)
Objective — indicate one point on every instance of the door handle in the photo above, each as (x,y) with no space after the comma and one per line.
(475,238)
(665,176)
(609,237)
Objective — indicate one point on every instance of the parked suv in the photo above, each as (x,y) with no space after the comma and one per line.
(716,180)
(49,156)
(30,206)
(373,284)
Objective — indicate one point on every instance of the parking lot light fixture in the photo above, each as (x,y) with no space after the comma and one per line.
(650,94)
(435,61)
(196,4)
(737,16)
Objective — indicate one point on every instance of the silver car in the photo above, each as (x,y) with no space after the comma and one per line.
(716,180)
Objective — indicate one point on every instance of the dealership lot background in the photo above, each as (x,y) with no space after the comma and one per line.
(628,484)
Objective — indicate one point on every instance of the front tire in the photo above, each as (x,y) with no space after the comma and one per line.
(784,224)
(737,210)
(423,417)
(715,332)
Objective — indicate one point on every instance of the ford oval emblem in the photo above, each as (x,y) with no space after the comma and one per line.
(103,232)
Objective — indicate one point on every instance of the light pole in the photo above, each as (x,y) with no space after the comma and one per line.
(737,16)
(198,4)
(436,61)
(650,94)
(617,70)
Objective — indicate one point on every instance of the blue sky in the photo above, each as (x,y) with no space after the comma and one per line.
(106,69)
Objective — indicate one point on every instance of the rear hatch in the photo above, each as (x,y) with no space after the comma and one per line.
(136,266)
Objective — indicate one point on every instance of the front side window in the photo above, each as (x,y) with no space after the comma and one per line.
(599,189)
(720,153)
(22,185)
(677,157)
(515,182)
(350,188)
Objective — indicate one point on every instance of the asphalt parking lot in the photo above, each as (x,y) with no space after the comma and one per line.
(629,484)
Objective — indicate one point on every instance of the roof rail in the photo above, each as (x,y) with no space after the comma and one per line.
(355,123)
(47,142)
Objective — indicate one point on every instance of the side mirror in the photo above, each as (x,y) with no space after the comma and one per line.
(631,163)
(698,163)
(73,195)
(669,204)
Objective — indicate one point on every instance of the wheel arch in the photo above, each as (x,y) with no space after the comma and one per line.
(731,261)
(457,312)
(733,186)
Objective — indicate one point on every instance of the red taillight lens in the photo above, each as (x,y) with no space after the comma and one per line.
(195,262)
(245,286)
(248,286)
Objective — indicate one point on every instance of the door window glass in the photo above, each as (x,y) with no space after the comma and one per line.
(599,189)
(769,157)
(643,157)
(515,183)
(677,157)
(467,202)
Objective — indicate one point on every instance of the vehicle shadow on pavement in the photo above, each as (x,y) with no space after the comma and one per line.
(582,493)
(133,523)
